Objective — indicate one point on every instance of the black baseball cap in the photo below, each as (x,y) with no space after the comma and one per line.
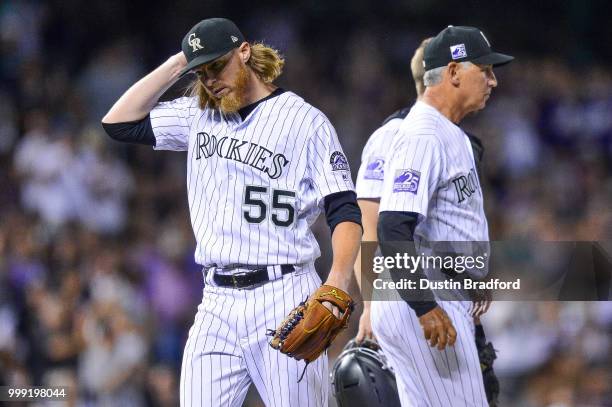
(461,44)
(208,40)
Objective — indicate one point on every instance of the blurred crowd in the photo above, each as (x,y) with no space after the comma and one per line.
(98,286)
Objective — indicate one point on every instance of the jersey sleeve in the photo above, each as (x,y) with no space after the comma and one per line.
(171,122)
(327,167)
(371,172)
(413,174)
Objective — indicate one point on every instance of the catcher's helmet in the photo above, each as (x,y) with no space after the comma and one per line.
(361,377)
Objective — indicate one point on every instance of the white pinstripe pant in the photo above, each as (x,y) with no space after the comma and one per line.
(427,377)
(227,348)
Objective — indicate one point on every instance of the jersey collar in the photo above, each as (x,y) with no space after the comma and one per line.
(245,111)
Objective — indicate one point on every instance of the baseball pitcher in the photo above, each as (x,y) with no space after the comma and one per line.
(262,164)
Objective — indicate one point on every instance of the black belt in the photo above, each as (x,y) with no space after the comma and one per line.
(250,277)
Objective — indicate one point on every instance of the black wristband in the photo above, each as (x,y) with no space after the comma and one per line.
(421,308)
(480,335)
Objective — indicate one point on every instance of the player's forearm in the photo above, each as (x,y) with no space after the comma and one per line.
(345,245)
(141,97)
(357,272)
(357,268)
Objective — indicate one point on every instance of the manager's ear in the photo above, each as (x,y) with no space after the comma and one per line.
(453,69)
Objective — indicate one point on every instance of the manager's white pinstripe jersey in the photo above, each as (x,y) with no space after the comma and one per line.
(431,171)
(256,185)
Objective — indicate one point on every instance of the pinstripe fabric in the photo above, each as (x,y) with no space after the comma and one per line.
(227,348)
(429,145)
(430,377)
(255,185)
(369,178)
(225,155)
(440,151)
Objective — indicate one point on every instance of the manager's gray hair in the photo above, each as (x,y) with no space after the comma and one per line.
(434,76)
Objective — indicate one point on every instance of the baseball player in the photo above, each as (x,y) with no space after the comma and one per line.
(370,179)
(262,164)
(369,187)
(430,194)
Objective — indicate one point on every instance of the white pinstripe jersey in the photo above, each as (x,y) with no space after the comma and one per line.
(371,172)
(432,172)
(255,186)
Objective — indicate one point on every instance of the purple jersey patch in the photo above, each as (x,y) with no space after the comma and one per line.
(406,181)
(375,169)
(338,161)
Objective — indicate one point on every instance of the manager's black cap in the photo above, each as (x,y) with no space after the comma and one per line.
(461,44)
(208,40)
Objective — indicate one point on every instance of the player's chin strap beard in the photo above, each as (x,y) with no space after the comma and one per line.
(230,103)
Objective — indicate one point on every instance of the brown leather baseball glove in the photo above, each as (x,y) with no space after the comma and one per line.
(311,327)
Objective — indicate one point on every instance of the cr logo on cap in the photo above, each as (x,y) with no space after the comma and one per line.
(194,42)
